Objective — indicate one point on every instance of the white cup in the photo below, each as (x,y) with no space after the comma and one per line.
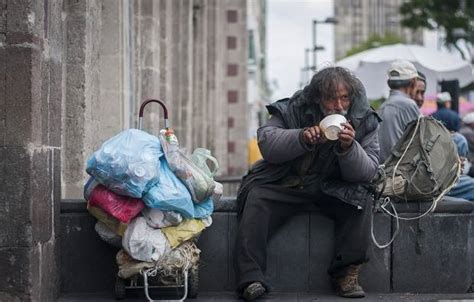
(331,125)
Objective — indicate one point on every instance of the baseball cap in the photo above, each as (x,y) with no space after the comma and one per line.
(402,70)
(468,118)
(443,97)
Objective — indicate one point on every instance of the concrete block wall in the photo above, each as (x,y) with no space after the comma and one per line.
(31,90)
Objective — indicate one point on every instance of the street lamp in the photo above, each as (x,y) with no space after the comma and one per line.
(308,68)
(328,20)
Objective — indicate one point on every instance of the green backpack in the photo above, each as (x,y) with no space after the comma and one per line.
(423,165)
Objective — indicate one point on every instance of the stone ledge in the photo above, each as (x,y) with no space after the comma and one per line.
(429,255)
(228,204)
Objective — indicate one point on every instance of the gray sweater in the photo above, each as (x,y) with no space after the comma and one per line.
(396,112)
(357,164)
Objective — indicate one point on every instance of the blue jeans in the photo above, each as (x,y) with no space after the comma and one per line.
(464,188)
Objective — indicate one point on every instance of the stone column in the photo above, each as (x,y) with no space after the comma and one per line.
(82,111)
(31,43)
(146,63)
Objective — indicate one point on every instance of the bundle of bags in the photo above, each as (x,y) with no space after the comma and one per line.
(148,196)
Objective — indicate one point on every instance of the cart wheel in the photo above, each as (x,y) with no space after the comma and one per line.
(119,288)
(193,281)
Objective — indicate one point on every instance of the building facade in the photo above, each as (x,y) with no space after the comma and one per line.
(73,74)
(359,19)
(258,93)
(189,54)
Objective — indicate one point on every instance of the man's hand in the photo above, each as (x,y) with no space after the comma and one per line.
(313,135)
(346,136)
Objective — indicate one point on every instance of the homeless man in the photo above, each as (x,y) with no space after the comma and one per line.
(301,167)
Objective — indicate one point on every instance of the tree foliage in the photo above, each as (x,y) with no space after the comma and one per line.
(376,40)
(454,17)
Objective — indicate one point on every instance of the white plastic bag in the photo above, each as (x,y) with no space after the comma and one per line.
(158,219)
(143,242)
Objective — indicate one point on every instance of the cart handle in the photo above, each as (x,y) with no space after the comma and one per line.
(142,107)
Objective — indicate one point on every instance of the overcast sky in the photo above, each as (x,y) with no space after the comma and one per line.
(289,32)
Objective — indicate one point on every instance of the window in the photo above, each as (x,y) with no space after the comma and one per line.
(232,16)
(232,70)
(232,96)
(231,42)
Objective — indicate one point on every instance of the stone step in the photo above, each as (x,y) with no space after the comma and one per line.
(282,296)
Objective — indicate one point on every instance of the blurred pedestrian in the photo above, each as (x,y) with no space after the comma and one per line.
(418,94)
(468,131)
(450,118)
(399,109)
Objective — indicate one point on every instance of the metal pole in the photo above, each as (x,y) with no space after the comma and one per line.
(306,64)
(314,45)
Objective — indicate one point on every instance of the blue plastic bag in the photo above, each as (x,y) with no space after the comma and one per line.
(128,163)
(169,194)
(204,209)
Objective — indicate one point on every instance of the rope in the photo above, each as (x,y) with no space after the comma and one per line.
(404,153)
(397,228)
(174,263)
(387,200)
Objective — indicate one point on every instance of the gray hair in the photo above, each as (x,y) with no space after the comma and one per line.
(325,83)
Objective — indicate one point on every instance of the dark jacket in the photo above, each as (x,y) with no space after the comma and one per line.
(317,169)
(449,118)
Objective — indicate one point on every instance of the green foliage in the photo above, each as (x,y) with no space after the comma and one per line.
(376,103)
(376,40)
(455,17)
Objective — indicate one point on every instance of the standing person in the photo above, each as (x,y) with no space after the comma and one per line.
(450,118)
(399,109)
(468,131)
(418,94)
(300,167)
(464,187)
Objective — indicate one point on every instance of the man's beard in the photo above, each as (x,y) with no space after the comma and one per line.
(326,113)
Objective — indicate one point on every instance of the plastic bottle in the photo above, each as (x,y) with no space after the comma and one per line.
(104,155)
(118,164)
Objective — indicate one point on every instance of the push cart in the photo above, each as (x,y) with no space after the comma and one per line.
(182,281)
(185,284)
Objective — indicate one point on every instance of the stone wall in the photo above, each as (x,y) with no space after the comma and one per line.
(31,89)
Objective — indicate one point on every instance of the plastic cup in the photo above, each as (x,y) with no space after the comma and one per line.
(331,126)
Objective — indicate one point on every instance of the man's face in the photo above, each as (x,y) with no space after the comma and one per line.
(418,93)
(339,103)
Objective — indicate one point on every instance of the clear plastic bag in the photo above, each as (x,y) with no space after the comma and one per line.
(196,177)
(158,219)
(143,242)
(201,157)
(127,163)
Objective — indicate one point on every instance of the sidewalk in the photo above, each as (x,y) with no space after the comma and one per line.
(284,297)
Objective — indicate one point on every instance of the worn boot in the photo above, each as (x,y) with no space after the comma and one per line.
(253,291)
(348,286)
